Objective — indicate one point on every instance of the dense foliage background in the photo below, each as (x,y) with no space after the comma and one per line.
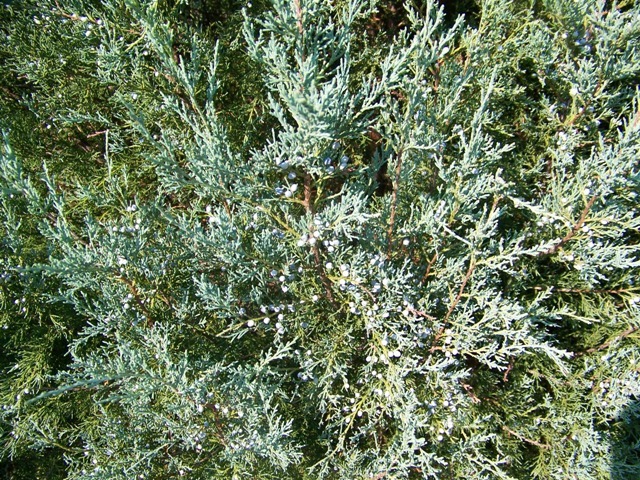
(319,239)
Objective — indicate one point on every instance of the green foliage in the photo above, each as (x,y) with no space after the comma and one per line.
(315,239)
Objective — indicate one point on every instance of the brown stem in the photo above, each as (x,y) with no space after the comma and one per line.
(525,439)
(435,71)
(420,313)
(636,120)
(326,283)
(469,390)
(596,92)
(308,194)
(205,334)
(454,304)
(429,266)
(166,300)
(308,201)
(9,93)
(137,297)
(298,7)
(505,377)
(606,344)
(308,204)
(586,290)
(574,230)
(95,134)
(226,204)
(394,203)
(472,266)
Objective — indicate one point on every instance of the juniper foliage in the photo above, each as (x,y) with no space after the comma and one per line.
(277,240)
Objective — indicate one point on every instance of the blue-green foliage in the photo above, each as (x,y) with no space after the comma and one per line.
(421,265)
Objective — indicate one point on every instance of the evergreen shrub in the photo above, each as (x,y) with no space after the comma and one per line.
(341,239)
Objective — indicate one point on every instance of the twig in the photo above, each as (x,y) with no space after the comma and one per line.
(505,377)
(586,290)
(323,276)
(136,296)
(77,18)
(394,202)
(308,180)
(472,266)
(606,344)
(469,390)
(308,193)
(309,208)
(636,120)
(435,72)
(576,117)
(9,93)
(205,334)
(95,134)
(574,230)
(225,202)
(429,265)
(454,304)
(420,313)
(298,8)
(525,439)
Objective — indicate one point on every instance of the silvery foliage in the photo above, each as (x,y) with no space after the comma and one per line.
(287,317)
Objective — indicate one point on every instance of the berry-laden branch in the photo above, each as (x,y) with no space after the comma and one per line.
(138,299)
(308,204)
